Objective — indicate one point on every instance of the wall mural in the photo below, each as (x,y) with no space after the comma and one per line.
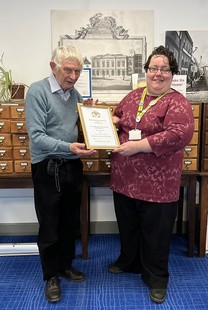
(114,44)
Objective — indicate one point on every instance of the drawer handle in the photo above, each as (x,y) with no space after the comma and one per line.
(19,126)
(1,125)
(187,163)
(89,164)
(20,110)
(24,166)
(107,163)
(23,152)
(188,150)
(2,139)
(2,153)
(22,139)
(108,152)
(3,166)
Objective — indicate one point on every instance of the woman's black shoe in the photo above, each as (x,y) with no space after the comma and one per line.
(158,295)
(113,268)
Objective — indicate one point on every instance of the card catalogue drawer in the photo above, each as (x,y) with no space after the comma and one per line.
(5,139)
(18,112)
(21,152)
(18,126)
(5,126)
(190,164)
(21,166)
(190,151)
(5,153)
(4,112)
(90,165)
(20,139)
(6,166)
(104,165)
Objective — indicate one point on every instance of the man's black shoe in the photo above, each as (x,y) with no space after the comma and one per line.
(113,268)
(74,275)
(158,295)
(52,290)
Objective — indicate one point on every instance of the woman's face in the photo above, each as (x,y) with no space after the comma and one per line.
(158,82)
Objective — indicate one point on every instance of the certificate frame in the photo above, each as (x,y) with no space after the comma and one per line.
(98,128)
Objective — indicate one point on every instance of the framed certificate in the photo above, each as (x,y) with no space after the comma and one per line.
(98,128)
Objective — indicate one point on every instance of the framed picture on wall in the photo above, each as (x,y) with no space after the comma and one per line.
(114,44)
(191,51)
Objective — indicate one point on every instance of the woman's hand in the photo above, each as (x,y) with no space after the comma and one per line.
(128,148)
(132,147)
(116,120)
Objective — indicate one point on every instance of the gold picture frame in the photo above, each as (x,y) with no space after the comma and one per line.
(98,128)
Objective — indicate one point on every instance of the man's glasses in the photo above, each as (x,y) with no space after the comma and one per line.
(162,70)
(70,71)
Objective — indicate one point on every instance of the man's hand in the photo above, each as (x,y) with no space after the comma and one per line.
(80,149)
(90,101)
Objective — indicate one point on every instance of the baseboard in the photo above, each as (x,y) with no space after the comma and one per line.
(103,227)
(21,229)
(18,229)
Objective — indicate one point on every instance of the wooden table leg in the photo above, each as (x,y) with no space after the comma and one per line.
(191,202)
(179,226)
(203,215)
(84,220)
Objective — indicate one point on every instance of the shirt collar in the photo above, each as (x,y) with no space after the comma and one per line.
(56,88)
(54,84)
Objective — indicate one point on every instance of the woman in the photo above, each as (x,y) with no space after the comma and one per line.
(155,123)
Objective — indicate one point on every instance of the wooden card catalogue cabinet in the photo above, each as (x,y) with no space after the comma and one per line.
(204,148)
(191,160)
(14,142)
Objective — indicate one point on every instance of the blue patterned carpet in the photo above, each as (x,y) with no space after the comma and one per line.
(22,288)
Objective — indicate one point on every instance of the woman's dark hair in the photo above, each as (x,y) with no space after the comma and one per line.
(161,50)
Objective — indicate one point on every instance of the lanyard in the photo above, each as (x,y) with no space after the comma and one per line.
(140,111)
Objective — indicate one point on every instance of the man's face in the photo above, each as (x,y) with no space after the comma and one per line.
(67,74)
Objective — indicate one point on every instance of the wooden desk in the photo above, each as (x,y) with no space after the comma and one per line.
(102,180)
(203,212)
(188,180)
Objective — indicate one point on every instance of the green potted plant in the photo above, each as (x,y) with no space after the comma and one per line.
(9,90)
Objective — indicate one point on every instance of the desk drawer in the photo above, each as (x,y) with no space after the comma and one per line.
(5,139)
(21,166)
(90,165)
(6,166)
(6,153)
(189,164)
